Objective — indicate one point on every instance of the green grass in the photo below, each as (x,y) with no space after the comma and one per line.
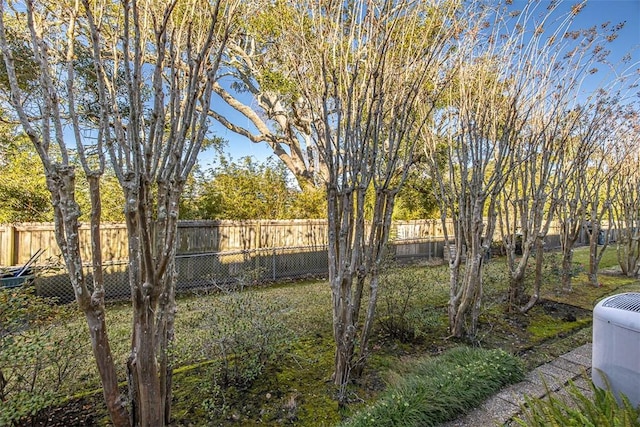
(609,259)
(433,390)
(597,408)
(548,326)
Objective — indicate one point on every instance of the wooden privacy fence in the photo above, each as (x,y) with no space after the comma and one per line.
(19,241)
(214,253)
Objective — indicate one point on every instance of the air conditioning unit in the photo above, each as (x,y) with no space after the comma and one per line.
(616,345)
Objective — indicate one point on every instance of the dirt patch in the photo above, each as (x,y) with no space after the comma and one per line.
(78,412)
(562,311)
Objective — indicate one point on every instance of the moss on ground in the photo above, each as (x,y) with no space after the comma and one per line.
(297,388)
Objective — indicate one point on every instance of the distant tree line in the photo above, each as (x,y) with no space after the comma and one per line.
(235,189)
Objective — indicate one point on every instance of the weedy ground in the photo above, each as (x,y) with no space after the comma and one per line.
(275,368)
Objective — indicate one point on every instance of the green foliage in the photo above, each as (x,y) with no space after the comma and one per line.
(246,190)
(23,189)
(26,68)
(251,190)
(578,409)
(111,197)
(547,326)
(35,359)
(275,81)
(416,199)
(405,309)
(268,27)
(310,203)
(24,193)
(243,336)
(435,390)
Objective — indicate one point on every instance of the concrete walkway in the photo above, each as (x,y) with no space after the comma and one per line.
(502,407)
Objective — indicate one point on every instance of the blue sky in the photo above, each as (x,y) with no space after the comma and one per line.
(598,11)
(595,12)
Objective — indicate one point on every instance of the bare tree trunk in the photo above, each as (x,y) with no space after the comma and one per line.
(516,281)
(592,273)
(469,296)
(454,287)
(143,368)
(567,270)
(66,212)
(571,220)
(102,353)
(95,314)
(537,284)
(469,299)
(165,331)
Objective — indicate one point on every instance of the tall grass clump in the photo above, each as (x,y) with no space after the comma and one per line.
(577,409)
(436,390)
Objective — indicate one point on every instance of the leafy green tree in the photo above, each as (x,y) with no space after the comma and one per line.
(248,189)
(24,193)
(23,189)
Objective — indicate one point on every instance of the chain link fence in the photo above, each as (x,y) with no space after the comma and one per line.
(216,269)
(221,269)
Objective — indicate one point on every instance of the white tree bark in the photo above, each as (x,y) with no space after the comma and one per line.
(154,68)
(362,68)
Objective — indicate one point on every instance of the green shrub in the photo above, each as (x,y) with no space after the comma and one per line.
(243,335)
(576,409)
(403,309)
(435,390)
(35,357)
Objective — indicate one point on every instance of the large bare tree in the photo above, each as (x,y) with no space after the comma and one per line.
(552,69)
(361,69)
(625,203)
(478,129)
(582,195)
(153,67)
(260,90)
(510,124)
(614,147)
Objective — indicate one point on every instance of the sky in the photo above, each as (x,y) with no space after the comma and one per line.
(595,12)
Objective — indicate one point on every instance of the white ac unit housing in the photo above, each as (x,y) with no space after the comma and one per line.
(616,345)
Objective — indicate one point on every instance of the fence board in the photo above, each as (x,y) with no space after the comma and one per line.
(6,245)
(19,241)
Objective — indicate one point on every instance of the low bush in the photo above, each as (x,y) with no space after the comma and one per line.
(244,335)
(404,309)
(36,358)
(578,409)
(436,390)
